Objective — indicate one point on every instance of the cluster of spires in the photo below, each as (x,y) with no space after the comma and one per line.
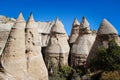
(84,43)
(22,58)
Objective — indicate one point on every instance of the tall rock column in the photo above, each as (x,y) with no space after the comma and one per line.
(105,33)
(75,31)
(58,48)
(35,64)
(82,45)
(13,59)
(73,36)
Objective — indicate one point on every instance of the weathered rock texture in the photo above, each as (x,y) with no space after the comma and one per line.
(57,50)
(73,36)
(75,31)
(35,64)
(82,45)
(5,26)
(106,32)
(44,29)
(13,60)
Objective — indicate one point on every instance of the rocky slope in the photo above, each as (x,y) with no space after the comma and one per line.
(5,26)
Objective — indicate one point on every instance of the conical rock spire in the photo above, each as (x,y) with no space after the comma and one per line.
(20,18)
(106,33)
(36,67)
(31,22)
(20,22)
(76,23)
(13,60)
(75,31)
(106,28)
(58,27)
(84,23)
(58,48)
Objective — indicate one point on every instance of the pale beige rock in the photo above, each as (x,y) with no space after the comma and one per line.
(58,27)
(44,29)
(84,24)
(57,50)
(5,26)
(106,28)
(82,45)
(13,60)
(75,31)
(106,32)
(35,64)
(81,49)
(84,27)
(76,22)
(3,38)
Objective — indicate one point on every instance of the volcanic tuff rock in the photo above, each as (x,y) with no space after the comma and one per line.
(35,64)
(44,29)
(74,32)
(106,32)
(21,58)
(5,26)
(13,60)
(57,50)
(82,45)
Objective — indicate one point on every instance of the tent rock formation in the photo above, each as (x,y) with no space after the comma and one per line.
(105,33)
(17,63)
(82,45)
(57,50)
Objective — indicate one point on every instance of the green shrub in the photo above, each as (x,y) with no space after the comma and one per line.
(75,76)
(110,75)
(107,59)
(62,73)
(79,72)
(65,71)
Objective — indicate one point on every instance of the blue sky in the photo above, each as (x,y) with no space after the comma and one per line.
(65,10)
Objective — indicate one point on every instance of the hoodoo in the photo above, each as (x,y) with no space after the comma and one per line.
(57,50)
(74,32)
(35,64)
(105,33)
(13,59)
(82,45)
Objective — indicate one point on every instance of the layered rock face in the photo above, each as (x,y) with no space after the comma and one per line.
(13,59)
(35,64)
(82,45)
(106,32)
(57,50)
